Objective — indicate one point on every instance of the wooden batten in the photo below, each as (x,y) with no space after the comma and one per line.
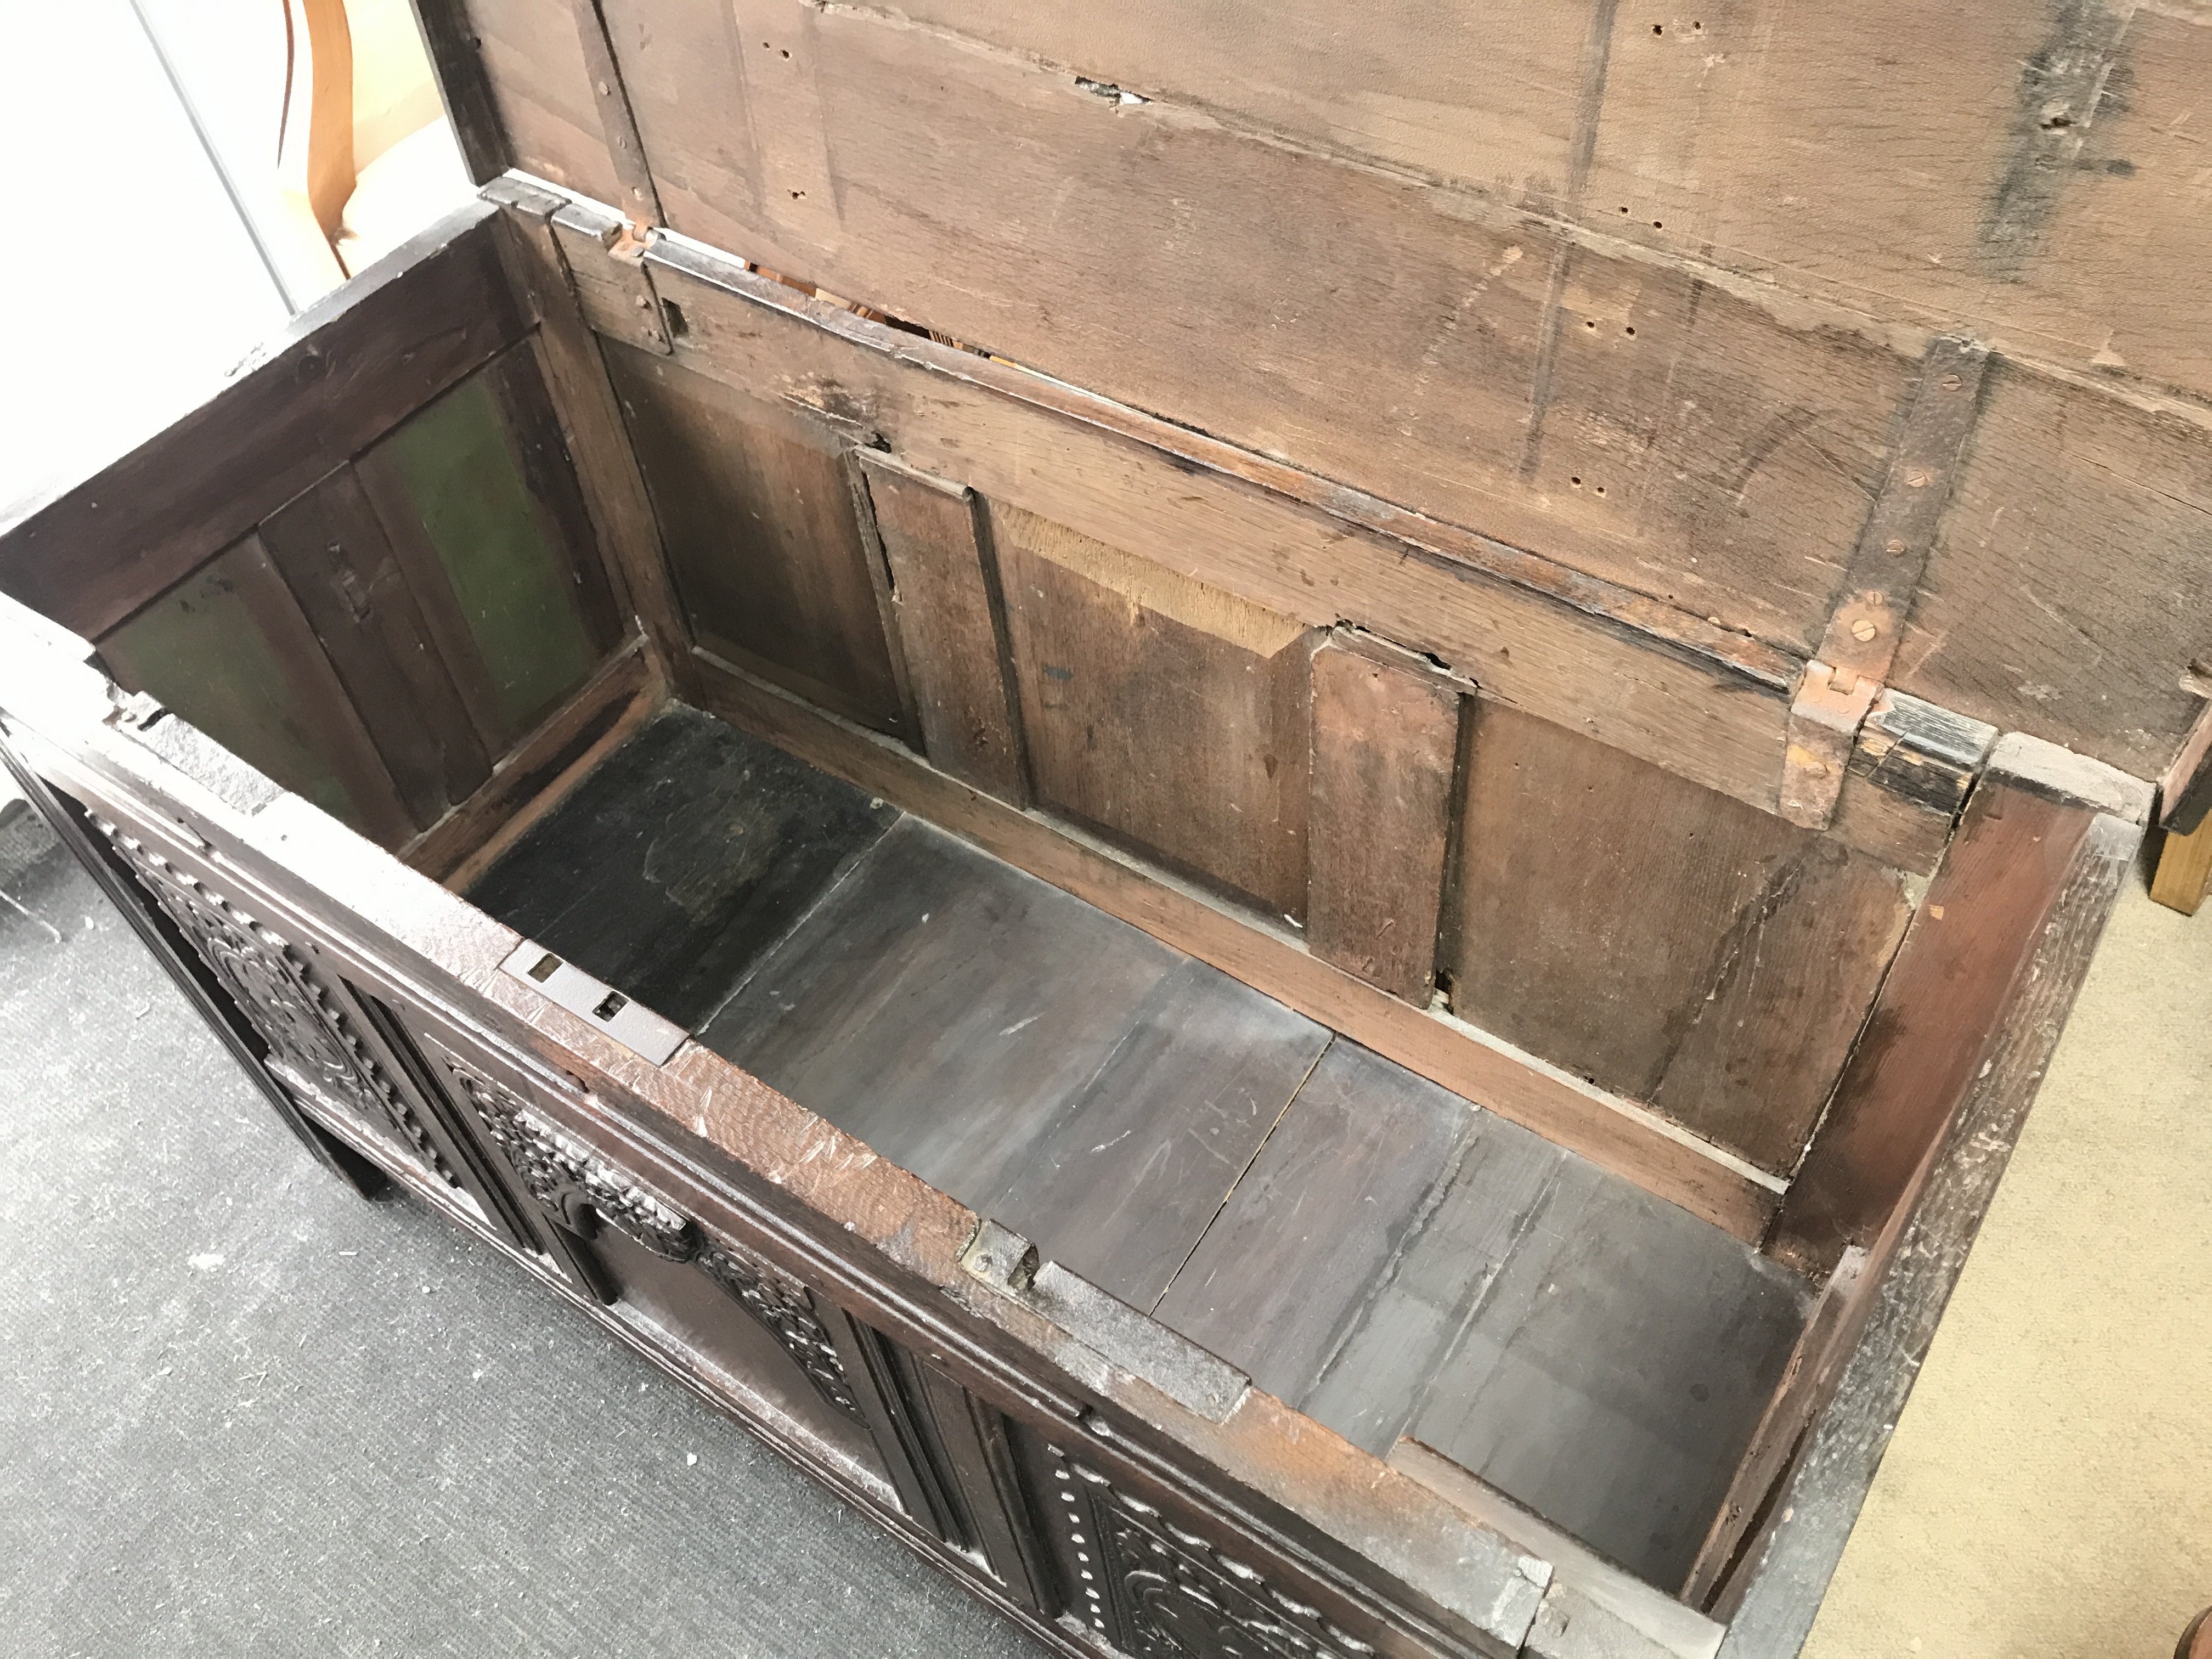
(1386,742)
(949,621)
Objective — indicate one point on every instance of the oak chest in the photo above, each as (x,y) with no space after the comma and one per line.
(1293,890)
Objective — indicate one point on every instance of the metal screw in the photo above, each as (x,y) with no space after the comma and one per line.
(1918,477)
(1896,545)
(1862,631)
(1952,383)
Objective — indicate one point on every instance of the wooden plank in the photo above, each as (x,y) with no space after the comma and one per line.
(230,652)
(1614,1132)
(2185,792)
(1049,1067)
(343,372)
(542,87)
(951,624)
(577,380)
(2185,870)
(679,862)
(1770,1600)
(1385,748)
(1612,1369)
(1952,980)
(1168,715)
(2069,591)
(1734,451)
(1670,945)
(338,563)
(1281,1279)
(757,516)
(533,775)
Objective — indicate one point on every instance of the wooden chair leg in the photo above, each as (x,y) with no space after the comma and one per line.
(2185,867)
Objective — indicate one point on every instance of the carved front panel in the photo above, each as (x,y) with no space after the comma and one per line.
(313,1047)
(1159,1592)
(582,1190)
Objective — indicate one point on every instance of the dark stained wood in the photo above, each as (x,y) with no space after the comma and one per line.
(337,560)
(1281,1277)
(950,624)
(1049,1067)
(1670,944)
(1679,1167)
(527,782)
(757,516)
(2184,789)
(1952,978)
(1399,1263)
(679,861)
(457,64)
(1385,746)
(343,372)
(1771,1599)
(581,392)
(231,651)
(1169,714)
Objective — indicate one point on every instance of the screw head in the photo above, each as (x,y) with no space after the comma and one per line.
(1919,477)
(1896,545)
(1863,629)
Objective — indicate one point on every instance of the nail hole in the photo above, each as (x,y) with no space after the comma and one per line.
(1658,28)
(1587,323)
(1576,482)
(1601,490)
(1632,328)
(678,326)
(1623,210)
(1656,225)
(610,1005)
(799,195)
(786,52)
(548,965)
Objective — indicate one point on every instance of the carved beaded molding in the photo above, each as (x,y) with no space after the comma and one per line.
(313,1047)
(580,1189)
(1169,1594)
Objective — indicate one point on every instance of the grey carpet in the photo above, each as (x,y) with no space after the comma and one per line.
(244,1412)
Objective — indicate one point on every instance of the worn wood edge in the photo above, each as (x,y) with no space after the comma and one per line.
(1838,1317)
(463,88)
(1784,1579)
(608,707)
(1658,1156)
(1653,1621)
(2184,790)
(2058,774)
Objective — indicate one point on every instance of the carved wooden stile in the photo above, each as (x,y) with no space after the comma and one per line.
(313,1048)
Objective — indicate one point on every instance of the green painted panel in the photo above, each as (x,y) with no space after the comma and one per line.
(516,590)
(198,651)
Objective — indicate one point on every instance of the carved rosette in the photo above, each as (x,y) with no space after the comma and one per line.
(313,1047)
(1169,1594)
(580,1190)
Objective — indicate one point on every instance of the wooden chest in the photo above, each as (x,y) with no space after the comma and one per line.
(1301,896)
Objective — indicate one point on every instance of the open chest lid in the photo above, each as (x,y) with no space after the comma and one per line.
(1766,403)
